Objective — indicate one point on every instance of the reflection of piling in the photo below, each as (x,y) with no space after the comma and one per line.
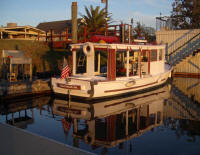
(74,22)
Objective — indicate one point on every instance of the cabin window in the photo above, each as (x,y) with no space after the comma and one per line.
(121,63)
(81,61)
(144,56)
(160,54)
(100,62)
(154,55)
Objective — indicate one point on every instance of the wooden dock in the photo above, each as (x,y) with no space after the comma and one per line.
(21,90)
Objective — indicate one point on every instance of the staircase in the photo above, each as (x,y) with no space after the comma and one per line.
(186,48)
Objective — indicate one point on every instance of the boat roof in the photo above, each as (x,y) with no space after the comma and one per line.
(118,46)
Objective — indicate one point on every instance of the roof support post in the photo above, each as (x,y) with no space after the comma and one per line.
(127,63)
(111,67)
(99,62)
(149,61)
(74,62)
(139,63)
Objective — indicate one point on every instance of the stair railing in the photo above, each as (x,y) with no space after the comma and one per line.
(183,50)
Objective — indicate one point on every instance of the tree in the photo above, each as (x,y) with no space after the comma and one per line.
(186,14)
(143,31)
(94,19)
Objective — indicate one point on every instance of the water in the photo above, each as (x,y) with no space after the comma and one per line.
(162,121)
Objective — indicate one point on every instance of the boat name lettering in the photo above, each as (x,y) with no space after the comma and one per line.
(74,87)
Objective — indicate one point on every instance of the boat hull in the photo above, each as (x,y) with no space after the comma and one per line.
(95,88)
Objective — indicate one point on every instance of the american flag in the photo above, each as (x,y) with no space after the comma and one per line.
(65,70)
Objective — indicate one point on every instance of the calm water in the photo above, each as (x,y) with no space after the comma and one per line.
(162,121)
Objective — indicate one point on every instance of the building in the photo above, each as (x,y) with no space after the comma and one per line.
(12,31)
(58,30)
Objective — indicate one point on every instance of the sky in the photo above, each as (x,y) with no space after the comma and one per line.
(33,12)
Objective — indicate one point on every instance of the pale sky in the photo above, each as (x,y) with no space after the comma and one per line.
(32,12)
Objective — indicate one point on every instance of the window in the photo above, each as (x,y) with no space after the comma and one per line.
(160,54)
(154,55)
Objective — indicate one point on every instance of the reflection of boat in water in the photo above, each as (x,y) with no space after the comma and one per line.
(112,122)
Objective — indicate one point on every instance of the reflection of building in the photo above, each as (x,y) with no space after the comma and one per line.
(112,122)
(21,114)
(12,31)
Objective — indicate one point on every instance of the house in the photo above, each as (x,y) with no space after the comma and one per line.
(59,29)
(13,31)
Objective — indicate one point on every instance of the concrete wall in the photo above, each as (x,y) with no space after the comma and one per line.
(14,141)
(17,88)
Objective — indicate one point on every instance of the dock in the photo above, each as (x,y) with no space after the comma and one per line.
(21,142)
(20,89)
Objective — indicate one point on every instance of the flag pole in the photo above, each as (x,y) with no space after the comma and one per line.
(69,98)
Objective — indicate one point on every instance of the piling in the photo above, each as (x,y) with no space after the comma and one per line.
(74,22)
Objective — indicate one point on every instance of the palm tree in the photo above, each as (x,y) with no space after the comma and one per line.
(94,20)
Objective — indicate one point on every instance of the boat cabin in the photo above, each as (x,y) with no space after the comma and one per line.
(113,61)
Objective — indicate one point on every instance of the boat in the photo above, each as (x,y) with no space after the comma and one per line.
(101,70)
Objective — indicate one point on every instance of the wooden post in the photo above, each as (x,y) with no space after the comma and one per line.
(74,22)
(75,125)
(111,67)
(38,36)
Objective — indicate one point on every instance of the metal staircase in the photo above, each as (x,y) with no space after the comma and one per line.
(187,47)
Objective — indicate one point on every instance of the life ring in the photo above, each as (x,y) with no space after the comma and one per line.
(88,49)
(88,139)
